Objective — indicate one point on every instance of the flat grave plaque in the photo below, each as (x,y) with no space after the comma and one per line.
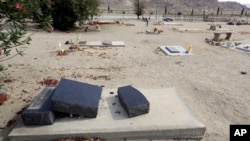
(172,49)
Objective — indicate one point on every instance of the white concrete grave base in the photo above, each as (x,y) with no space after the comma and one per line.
(100,44)
(244,48)
(168,118)
(179,48)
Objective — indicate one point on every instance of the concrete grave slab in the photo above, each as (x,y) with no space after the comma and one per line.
(77,98)
(243,47)
(151,32)
(169,118)
(167,23)
(172,23)
(106,22)
(174,50)
(38,112)
(82,42)
(102,43)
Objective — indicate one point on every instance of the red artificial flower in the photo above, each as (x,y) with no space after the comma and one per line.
(19,6)
(51,29)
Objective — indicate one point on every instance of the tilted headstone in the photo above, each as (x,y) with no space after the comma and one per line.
(38,112)
(77,98)
(133,101)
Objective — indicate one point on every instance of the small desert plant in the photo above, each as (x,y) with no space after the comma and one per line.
(86,9)
(13,27)
(63,14)
(67,12)
(40,11)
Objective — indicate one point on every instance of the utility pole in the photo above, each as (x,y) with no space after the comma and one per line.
(108,7)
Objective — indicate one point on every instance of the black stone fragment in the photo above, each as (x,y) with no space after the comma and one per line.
(67,42)
(243,72)
(133,101)
(76,98)
(38,112)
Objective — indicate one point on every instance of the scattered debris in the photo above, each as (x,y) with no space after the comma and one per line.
(236,21)
(62,52)
(155,30)
(105,77)
(8,81)
(68,42)
(11,122)
(104,55)
(3,97)
(24,91)
(49,82)
(110,68)
(243,72)
(20,112)
(212,42)
(213,26)
(74,47)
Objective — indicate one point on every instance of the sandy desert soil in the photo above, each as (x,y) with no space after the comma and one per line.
(210,81)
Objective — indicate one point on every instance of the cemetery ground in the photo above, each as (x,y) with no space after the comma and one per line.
(210,81)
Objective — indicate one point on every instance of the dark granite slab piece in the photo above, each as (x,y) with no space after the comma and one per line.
(77,98)
(133,101)
(172,50)
(38,112)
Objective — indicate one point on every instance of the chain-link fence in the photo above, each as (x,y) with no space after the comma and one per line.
(188,15)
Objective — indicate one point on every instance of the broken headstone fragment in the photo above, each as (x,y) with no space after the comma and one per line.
(133,101)
(77,98)
(243,72)
(38,112)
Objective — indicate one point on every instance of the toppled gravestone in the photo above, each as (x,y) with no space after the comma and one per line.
(77,98)
(133,101)
(38,112)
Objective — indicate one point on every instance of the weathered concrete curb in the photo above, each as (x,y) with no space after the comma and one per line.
(170,119)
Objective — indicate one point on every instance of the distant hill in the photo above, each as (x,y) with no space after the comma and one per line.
(176,5)
(248,5)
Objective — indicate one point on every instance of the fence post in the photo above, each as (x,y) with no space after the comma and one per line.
(242,11)
(218,11)
(155,14)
